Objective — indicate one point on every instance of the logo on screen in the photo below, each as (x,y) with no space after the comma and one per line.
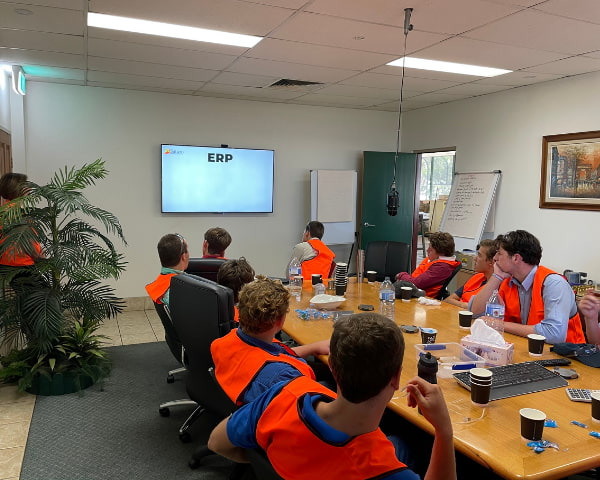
(168,151)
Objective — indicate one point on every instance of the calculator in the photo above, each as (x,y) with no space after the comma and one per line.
(580,394)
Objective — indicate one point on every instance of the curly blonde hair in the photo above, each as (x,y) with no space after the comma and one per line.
(262,303)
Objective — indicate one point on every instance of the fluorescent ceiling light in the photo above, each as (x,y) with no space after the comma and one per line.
(438,66)
(170,30)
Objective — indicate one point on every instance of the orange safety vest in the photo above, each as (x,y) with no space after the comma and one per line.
(424,265)
(472,286)
(237,363)
(295,451)
(159,287)
(12,258)
(236,314)
(320,264)
(512,305)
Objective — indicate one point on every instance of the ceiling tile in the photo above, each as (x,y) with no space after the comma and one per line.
(541,31)
(165,55)
(307,54)
(116,78)
(379,95)
(254,92)
(487,54)
(35,57)
(586,10)
(353,34)
(568,66)
(43,19)
(149,69)
(244,80)
(516,79)
(52,42)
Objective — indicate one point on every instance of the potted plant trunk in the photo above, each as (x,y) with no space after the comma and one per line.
(51,310)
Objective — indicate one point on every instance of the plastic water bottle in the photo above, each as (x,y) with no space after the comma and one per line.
(294,269)
(387,297)
(494,312)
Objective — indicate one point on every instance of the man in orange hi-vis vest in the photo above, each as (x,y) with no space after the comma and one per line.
(174,258)
(536,299)
(312,254)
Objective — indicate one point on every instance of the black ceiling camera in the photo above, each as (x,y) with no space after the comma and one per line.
(392,201)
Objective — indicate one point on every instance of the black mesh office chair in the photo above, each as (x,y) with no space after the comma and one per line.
(387,258)
(444,293)
(201,311)
(205,267)
(178,352)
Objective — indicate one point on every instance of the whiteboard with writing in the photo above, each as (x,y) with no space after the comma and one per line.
(470,207)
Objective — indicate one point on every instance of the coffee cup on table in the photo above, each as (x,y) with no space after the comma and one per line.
(464,319)
(406,293)
(535,343)
(428,335)
(481,386)
(371,276)
(596,407)
(532,423)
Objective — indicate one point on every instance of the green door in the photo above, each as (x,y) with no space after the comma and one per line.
(376,224)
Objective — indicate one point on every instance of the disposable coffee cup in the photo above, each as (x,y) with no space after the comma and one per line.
(596,407)
(536,344)
(316,278)
(532,423)
(406,293)
(371,276)
(480,393)
(464,319)
(340,290)
(428,335)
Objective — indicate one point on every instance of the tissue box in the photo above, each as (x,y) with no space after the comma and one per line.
(452,357)
(492,354)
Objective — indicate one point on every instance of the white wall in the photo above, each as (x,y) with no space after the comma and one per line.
(504,131)
(72,125)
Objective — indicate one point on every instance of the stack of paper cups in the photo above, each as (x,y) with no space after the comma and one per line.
(341,278)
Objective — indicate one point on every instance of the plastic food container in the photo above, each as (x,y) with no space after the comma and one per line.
(452,357)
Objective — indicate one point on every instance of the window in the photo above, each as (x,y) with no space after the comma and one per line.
(437,171)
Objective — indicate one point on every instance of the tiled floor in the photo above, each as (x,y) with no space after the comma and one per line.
(16,408)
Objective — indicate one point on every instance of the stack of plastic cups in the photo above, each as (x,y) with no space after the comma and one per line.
(341,278)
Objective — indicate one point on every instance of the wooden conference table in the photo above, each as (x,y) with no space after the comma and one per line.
(490,436)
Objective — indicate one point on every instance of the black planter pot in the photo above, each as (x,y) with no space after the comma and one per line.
(59,384)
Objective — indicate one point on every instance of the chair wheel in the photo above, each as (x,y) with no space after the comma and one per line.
(170,379)
(185,437)
(164,411)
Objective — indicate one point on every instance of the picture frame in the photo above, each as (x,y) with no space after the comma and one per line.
(571,171)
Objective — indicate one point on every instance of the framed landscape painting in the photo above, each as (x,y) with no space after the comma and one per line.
(571,171)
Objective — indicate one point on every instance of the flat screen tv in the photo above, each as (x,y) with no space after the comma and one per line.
(216,180)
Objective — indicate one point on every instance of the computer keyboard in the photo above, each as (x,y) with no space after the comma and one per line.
(517,379)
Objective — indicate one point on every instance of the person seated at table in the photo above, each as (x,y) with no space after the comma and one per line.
(589,306)
(436,268)
(13,185)
(174,258)
(249,360)
(235,274)
(309,432)
(537,299)
(312,254)
(216,241)
(483,265)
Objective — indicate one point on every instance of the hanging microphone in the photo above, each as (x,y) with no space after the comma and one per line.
(407,26)
(393,201)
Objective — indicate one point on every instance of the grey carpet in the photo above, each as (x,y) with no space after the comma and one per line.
(114,431)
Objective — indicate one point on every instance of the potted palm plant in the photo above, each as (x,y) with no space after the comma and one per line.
(50,311)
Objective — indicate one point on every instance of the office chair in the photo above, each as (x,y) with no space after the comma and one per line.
(202,311)
(171,338)
(387,258)
(444,293)
(178,352)
(205,267)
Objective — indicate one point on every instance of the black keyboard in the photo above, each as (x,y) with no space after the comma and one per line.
(517,379)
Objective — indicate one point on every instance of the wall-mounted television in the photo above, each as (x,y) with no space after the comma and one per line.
(216,179)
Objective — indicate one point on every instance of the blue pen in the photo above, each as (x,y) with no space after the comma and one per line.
(579,424)
(464,366)
(595,434)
